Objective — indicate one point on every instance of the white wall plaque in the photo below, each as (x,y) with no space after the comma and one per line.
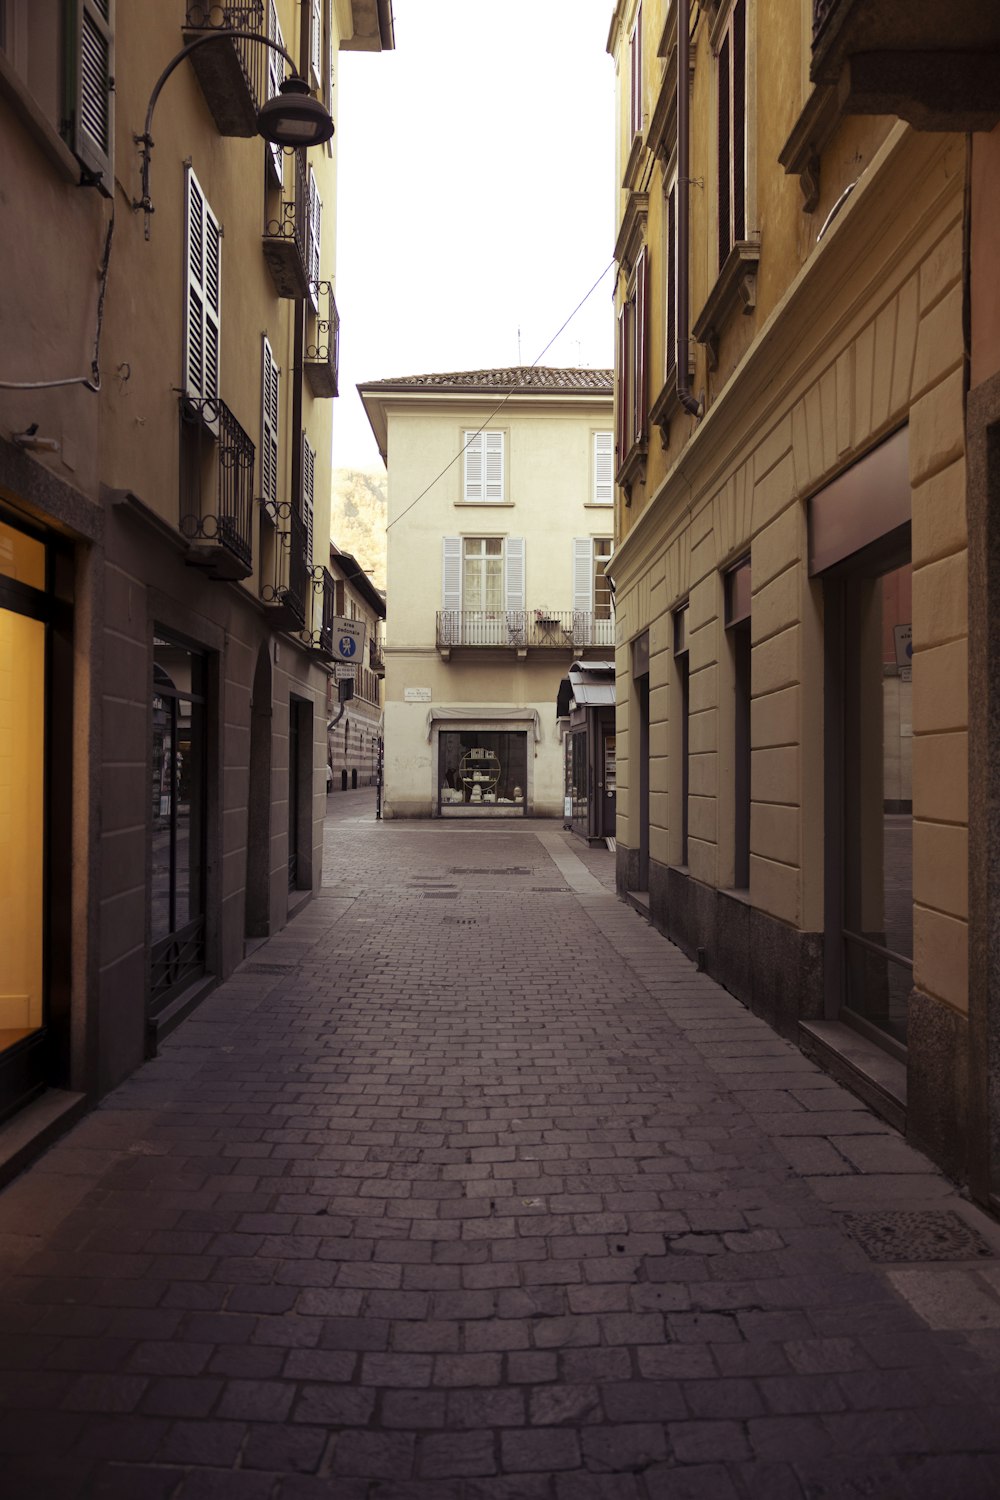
(416,695)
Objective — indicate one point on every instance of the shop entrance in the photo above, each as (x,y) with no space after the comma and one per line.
(482,773)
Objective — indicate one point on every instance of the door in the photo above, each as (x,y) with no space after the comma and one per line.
(608,798)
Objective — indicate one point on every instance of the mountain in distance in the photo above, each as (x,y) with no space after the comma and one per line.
(357,518)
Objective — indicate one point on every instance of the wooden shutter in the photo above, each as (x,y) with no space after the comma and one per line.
(635,76)
(316,41)
(641,341)
(474,450)
(308,493)
(314,229)
(494,466)
(723,149)
(671,286)
(603,468)
(583,574)
(451,573)
(270,407)
(90,94)
(203,295)
(275,78)
(514,573)
(739,107)
(624,386)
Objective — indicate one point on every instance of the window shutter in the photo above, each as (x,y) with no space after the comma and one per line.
(494,466)
(635,80)
(275,78)
(203,294)
(315,225)
(724,127)
(90,101)
(739,121)
(671,287)
(583,574)
(270,390)
(475,446)
(308,493)
(624,385)
(603,470)
(451,590)
(514,572)
(316,41)
(641,335)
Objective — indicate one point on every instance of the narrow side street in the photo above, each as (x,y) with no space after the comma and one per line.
(467,1186)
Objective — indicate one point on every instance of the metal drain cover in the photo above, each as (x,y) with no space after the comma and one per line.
(935,1234)
(267,968)
(492,870)
(440,895)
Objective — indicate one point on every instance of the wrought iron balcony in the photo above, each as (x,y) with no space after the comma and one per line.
(935,64)
(216,509)
(376,661)
(287,238)
(320,637)
(322,359)
(288,592)
(233,74)
(522,630)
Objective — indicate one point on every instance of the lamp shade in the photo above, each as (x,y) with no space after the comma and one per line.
(293,117)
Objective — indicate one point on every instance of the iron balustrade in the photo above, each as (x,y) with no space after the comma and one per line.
(286,237)
(235,80)
(524,629)
(289,590)
(321,635)
(322,360)
(217,481)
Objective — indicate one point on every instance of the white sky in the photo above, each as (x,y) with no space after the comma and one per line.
(476,196)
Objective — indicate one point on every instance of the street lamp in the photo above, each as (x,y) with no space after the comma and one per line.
(292,118)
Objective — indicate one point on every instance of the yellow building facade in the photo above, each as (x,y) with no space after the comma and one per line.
(166,385)
(792,542)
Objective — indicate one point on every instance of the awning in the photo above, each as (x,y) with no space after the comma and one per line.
(592,684)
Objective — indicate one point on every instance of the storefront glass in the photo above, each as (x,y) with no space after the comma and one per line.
(482,773)
(178,819)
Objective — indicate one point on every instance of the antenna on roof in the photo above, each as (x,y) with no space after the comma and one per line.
(519,346)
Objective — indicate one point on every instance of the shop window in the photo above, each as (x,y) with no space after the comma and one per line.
(482,772)
(683,717)
(737,619)
(179,784)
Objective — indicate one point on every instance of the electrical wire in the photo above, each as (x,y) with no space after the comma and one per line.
(513,391)
(92,382)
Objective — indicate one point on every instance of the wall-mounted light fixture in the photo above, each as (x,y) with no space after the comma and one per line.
(293,117)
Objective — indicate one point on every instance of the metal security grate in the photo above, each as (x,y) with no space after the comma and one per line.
(915,1236)
(490,870)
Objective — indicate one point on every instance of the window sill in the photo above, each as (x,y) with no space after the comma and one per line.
(811,133)
(736,287)
(667,406)
(24,103)
(635,156)
(632,469)
(484,505)
(599,505)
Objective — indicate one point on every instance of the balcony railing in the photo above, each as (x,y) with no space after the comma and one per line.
(216,511)
(233,74)
(287,594)
(321,635)
(376,661)
(523,629)
(322,361)
(286,237)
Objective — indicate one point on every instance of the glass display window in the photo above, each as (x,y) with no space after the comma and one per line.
(482,772)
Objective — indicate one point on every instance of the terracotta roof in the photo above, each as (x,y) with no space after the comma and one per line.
(518,377)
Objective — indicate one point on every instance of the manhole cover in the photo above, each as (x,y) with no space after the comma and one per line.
(901,1236)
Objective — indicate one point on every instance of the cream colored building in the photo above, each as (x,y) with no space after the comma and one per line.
(165,603)
(499,527)
(354,728)
(791,520)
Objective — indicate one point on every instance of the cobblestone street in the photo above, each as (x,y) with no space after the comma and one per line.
(467,1186)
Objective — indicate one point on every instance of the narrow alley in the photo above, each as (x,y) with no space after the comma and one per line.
(467,1186)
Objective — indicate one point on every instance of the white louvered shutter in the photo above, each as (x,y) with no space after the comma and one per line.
(451,590)
(90,129)
(203,295)
(308,493)
(475,445)
(603,468)
(316,41)
(494,466)
(275,78)
(514,572)
(315,226)
(270,402)
(583,589)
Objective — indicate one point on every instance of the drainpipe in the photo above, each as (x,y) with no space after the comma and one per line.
(298,320)
(689,402)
